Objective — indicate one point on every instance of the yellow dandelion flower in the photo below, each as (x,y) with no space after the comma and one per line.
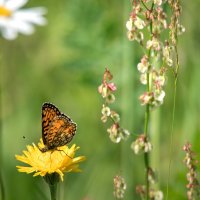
(51,162)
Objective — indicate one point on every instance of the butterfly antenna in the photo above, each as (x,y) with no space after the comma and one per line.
(64,152)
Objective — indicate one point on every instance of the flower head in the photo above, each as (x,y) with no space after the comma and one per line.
(141,144)
(116,133)
(143,78)
(106,89)
(119,187)
(167,54)
(154,44)
(54,161)
(143,65)
(139,23)
(158,2)
(156,194)
(146,98)
(14,20)
(129,25)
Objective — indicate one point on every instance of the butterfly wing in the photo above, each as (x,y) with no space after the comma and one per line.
(60,132)
(49,112)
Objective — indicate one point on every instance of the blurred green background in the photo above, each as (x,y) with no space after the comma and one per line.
(63,63)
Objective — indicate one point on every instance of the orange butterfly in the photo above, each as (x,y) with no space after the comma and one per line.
(57,128)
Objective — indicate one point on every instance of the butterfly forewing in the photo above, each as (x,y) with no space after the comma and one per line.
(49,111)
(57,128)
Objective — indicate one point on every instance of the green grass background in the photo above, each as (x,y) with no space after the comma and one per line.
(63,63)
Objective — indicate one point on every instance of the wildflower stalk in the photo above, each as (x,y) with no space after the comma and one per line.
(1,180)
(159,55)
(52,180)
(171,135)
(173,117)
(174,99)
(147,116)
(193,186)
(116,132)
(146,154)
(2,189)
(106,89)
(53,190)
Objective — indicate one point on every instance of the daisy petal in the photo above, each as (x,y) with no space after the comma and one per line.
(2,2)
(15,4)
(21,26)
(25,28)
(14,20)
(32,16)
(9,33)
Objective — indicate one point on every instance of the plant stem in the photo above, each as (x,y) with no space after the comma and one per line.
(146,124)
(145,5)
(53,190)
(173,117)
(147,116)
(146,155)
(52,180)
(2,188)
(176,70)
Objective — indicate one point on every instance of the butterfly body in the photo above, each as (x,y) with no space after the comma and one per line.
(57,128)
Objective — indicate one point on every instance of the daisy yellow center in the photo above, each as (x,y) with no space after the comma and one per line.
(5,12)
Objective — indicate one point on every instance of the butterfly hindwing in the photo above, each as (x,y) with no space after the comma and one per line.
(61,131)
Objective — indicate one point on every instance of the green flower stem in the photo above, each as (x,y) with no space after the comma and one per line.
(173,116)
(174,100)
(155,139)
(147,116)
(146,155)
(52,180)
(53,190)
(2,188)
(146,124)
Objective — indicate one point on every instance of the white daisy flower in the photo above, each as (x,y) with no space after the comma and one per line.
(14,20)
